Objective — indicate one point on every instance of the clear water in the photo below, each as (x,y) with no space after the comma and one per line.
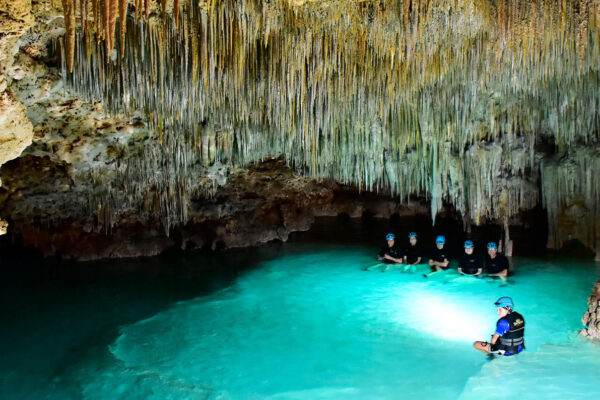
(304,323)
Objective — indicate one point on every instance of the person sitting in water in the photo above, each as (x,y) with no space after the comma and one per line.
(496,264)
(391,253)
(509,337)
(412,256)
(439,261)
(469,263)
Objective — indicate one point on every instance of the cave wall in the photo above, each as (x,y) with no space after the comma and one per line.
(16,130)
(445,102)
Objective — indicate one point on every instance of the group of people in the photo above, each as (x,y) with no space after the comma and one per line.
(509,337)
(469,263)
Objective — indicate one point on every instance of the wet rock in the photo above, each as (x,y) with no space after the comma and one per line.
(591,318)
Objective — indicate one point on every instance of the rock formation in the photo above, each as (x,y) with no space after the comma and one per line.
(489,108)
(16,130)
(591,318)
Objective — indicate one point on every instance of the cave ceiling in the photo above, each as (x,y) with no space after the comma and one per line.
(487,106)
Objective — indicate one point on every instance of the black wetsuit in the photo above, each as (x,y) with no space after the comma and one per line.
(394,251)
(469,263)
(496,265)
(412,254)
(440,256)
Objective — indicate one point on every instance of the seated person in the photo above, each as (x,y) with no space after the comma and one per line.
(469,263)
(439,260)
(391,253)
(496,264)
(412,255)
(509,337)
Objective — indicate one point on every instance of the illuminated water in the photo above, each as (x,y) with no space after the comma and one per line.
(305,325)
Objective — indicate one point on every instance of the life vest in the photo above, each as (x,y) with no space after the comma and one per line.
(515,337)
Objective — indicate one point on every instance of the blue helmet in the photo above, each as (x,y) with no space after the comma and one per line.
(504,302)
(469,243)
(390,236)
(492,245)
(412,235)
(440,239)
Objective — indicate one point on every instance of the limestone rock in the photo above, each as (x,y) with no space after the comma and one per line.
(591,318)
(16,131)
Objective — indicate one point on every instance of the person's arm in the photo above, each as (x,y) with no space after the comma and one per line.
(479,271)
(439,263)
(418,261)
(502,327)
(396,260)
(495,337)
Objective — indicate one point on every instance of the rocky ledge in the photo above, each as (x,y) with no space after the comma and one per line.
(591,318)
(264,202)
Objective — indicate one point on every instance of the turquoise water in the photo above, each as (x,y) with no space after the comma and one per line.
(311,324)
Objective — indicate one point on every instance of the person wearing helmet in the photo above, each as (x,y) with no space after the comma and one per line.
(496,264)
(469,263)
(439,260)
(509,337)
(412,256)
(391,253)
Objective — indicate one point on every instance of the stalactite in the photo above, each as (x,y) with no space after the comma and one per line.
(84,15)
(571,194)
(163,7)
(123,24)
(112,24)
(440,98)
(69,9)
(106,25)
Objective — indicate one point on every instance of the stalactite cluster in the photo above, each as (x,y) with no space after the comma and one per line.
(441,98)
(571,195)
(103,14)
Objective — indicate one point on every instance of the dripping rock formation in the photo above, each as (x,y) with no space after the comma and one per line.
(134,126)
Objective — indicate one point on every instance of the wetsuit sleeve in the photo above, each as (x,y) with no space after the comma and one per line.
(503,263)
(383,251)
(399,253)
(502,327)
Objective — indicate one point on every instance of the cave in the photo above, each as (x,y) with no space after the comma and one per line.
(178,179)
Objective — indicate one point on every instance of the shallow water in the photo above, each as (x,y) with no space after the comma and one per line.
(306,322)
